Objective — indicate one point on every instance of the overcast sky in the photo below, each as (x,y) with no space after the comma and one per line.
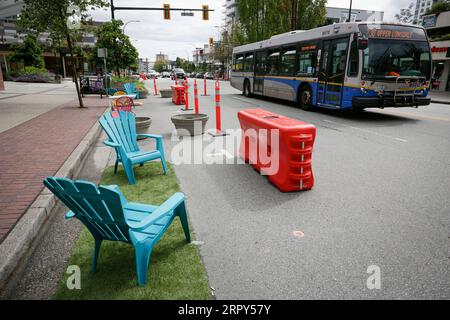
(181,35)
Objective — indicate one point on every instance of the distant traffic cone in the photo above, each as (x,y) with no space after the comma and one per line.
(155,90)
(218,131)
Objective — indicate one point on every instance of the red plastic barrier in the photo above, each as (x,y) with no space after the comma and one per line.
(178,94)
(295,145)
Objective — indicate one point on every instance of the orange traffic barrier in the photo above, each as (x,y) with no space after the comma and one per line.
(205,93)
(219,131)
(154,87)
(186,95)
(196,96)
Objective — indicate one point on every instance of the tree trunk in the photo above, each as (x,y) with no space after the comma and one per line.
(77,85)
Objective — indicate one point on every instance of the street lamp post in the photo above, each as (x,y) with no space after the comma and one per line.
(128,23)
(350,11)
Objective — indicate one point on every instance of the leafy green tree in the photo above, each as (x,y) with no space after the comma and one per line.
(440,6)
(261,19)
(53,17)
(121,52)
(29,52)
(161,65)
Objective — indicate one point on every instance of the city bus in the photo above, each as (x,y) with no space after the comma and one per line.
(341,66)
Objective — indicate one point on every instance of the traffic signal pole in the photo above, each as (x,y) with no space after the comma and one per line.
(205,9)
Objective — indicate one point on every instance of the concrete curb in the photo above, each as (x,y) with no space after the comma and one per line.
(21,240)
(440,101)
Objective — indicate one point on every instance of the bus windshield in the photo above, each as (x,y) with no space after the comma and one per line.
(392,58)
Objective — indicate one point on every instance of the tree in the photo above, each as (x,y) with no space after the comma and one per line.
(261,19)
(29,52)
(161,65)
(121,53)
(54,17)
(405,15)
(185,64)
(440,6)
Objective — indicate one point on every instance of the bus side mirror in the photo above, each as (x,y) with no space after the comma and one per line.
(362,44)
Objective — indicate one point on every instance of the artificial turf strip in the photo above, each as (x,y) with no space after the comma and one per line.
(176,270)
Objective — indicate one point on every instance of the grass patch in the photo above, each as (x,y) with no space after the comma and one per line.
(175,270)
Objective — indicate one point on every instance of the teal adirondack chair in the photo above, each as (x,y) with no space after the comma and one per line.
(110,91)
(120,126)
(108,216)
(130,88)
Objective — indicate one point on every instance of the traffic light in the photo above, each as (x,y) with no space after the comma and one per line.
(166,8)
(205,9)
(211,42)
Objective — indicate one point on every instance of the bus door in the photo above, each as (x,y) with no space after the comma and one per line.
(260,65)
(332,72)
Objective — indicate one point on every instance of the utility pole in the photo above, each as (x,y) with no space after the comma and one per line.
(112,10)
(294,11)
(350,11)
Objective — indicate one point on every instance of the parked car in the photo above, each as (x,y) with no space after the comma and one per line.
(165,74)
(178,73)
(209,75)
(200,75)
(152,74)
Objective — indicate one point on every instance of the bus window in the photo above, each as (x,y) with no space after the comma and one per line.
(239,63)
(339,61)
(273,62)
(307,59)
(353,63)
(306,63)
(248,62)
(288,63)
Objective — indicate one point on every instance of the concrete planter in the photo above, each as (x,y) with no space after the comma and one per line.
(166,93)
(190,124)
(142,125)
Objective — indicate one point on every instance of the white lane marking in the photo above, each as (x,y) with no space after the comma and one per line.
(367,131)
(246,101)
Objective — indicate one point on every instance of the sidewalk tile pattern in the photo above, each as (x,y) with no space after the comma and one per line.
(36,149)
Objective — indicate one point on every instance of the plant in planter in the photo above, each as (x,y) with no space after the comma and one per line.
(190,124)
(143,92)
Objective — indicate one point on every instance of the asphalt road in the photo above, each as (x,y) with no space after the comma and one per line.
(381,198)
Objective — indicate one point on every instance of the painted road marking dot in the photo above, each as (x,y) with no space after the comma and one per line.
(298,234)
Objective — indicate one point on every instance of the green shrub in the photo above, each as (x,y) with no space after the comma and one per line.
(33,70)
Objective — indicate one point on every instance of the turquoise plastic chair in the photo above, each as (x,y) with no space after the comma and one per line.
(110,91)
(130,88)
(108,216)
(120,126)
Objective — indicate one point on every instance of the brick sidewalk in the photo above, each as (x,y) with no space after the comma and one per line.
(36,149)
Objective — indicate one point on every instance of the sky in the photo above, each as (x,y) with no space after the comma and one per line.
(180,36)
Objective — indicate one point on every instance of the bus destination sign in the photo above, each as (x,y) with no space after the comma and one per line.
(389,34)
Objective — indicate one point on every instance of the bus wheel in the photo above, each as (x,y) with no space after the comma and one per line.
(247,91)
(305,98)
